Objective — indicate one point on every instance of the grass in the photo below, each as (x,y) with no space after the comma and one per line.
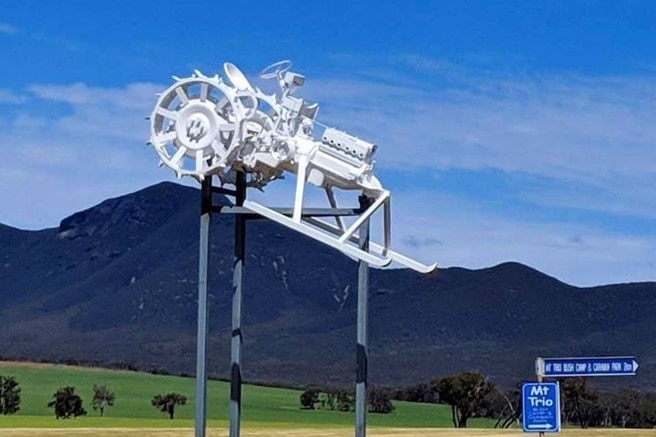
(268,412)
(262,406)
(309,432)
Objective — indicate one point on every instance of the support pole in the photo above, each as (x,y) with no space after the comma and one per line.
(539,369)
(361,396)
(237,301)
(540,379)
(201,338)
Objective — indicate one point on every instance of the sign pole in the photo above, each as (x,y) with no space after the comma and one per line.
(361,395)
(540,378)
(237,301)
(540,404)
(201,338)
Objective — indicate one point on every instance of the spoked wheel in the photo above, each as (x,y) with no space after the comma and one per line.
(195,124)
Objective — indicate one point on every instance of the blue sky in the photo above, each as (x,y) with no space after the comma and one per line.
(508,130)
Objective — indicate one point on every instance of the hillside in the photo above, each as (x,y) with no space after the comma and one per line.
(117,283)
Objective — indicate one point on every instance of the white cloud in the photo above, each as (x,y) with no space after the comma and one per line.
(133,96)
(589,142)
(59,42)
(8,29)
(75,159)
(450,231)
(434,227)
(594,132)
(7,96)
(468,236)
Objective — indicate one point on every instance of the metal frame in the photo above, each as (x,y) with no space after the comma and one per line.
(207,127)
(244,211)
(203,314)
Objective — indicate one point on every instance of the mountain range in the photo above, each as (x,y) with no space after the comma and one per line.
(118,283)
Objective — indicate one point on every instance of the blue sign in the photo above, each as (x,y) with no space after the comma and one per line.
(603,366)
(541,407)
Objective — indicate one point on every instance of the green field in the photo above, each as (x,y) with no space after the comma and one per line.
(262,406)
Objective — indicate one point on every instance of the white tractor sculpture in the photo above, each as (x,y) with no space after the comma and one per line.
(205,126)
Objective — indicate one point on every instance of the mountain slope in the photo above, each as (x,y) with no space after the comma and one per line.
(117,282)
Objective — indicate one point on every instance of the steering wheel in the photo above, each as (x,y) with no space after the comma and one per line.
(276,69)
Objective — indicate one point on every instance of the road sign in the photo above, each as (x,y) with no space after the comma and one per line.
(541,407)
(600,366)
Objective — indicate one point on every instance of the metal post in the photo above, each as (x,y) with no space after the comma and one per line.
(201,338)
(539,369)
(237,300)
(361,397)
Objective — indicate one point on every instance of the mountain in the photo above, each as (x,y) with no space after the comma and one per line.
(117,283)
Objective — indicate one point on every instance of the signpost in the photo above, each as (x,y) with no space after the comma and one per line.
(541,400)
(600,366)
(541,407)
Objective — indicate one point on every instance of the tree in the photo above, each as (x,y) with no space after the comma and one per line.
(102,398)
(67,404)
(9,395)
(309,398)
(336,399)
(580,400)
(623,406)
(168,402)
(415,393)
(465,392)
(503,406)
(345,401)
(646,410)
(380,401)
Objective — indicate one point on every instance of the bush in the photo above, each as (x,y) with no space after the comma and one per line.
(380,401)
(67,404)
(309,398)
(9,395)
(167,403)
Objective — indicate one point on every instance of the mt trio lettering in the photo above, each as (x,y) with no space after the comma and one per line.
(540,407)
(537,397)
